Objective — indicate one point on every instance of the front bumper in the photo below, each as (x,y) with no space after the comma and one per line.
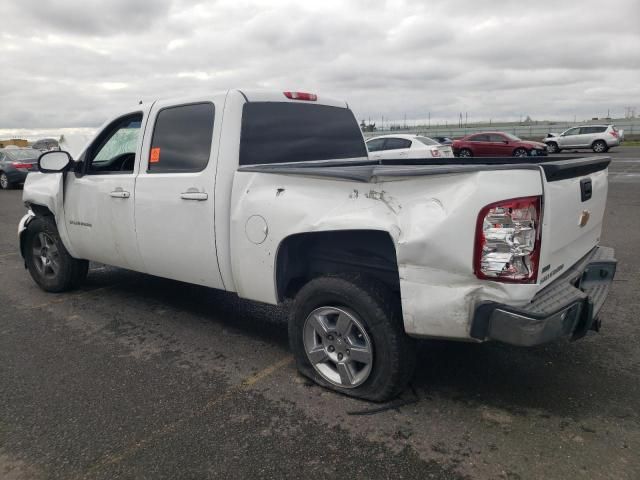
(567,308)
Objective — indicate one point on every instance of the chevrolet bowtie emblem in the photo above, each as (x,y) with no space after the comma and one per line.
(584,218)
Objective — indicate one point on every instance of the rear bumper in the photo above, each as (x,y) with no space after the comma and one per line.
(17,176)
(567,308)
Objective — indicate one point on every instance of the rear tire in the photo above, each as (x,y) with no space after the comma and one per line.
(334,317)
(47,259)
(599,146)
(465,153)
(552,147)
(5,184)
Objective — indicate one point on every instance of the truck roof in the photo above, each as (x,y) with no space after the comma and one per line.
(279,96)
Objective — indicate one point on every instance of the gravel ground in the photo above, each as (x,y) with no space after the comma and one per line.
(134,376)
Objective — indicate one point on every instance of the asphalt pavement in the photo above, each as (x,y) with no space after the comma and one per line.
(134,376)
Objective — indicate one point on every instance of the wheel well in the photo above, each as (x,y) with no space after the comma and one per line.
(598,140)
(305,256)
(41,210)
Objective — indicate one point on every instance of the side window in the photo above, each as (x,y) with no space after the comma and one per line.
(572,131)
(114,151)
(181,139)
(586,130)
(479,138)
(396,143)
(375,145)
(497,138)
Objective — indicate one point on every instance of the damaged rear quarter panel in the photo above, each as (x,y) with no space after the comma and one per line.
(431,220)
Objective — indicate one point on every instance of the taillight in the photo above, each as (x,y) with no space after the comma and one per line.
(507,247)
(310,97)
(21,165)
(614,133)
(435,152)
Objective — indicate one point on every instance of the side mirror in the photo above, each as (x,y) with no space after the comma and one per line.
(54,161)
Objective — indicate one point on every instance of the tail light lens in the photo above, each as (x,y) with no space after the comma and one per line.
(21,165)
(507,247)
(435,152)
(310,97)
(614,133)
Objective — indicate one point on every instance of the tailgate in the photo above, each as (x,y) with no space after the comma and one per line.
(575,195)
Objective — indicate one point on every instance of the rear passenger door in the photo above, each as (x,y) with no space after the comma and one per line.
(397,147)
(174,197)
(479,144)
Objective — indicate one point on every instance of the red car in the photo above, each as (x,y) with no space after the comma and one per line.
(496,144)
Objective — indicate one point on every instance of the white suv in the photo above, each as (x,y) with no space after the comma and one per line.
(598,138)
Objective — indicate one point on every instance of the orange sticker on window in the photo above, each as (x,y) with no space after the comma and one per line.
(155,155)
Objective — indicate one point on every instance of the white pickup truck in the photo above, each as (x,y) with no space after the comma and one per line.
(273,196)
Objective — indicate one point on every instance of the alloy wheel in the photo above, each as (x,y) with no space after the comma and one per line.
(46,256)
(338,346)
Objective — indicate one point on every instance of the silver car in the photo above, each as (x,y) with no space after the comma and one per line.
(598,138)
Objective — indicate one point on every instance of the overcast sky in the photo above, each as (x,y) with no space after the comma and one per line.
(72,63)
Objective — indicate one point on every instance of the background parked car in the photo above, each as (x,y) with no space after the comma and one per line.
(397,147)
(15,164)
(443,140)
(45,144)
(598,138)
(496,144)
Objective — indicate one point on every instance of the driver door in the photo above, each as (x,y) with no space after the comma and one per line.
(99,197)
(570,138)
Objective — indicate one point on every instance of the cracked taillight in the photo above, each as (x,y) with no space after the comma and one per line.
(507,245)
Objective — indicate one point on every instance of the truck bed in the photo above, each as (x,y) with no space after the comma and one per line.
(556,168)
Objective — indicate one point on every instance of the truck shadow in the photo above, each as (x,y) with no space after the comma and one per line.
(561,379)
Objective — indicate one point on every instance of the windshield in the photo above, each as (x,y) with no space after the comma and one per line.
(23,154)
(427,141)
(511,137)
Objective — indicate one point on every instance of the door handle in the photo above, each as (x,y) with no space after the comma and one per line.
(119,193)
(198,196)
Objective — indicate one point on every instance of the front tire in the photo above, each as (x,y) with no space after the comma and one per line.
(552,147)
(599,146)
(47,259)
(5,184)
(347,335)
(520,152)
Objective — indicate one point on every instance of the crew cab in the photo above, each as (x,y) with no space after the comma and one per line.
(273,196)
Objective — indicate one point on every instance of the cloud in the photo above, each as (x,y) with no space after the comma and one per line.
(74,63)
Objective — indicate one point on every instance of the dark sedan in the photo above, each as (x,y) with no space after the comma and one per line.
(443,140)
(15,164)
(496,144)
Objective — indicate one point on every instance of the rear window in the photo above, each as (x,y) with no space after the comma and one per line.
(427,141)
(26,154)
(279,132)
(181,140)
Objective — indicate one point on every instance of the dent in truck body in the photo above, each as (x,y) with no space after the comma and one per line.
(431,221)
(46,190)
